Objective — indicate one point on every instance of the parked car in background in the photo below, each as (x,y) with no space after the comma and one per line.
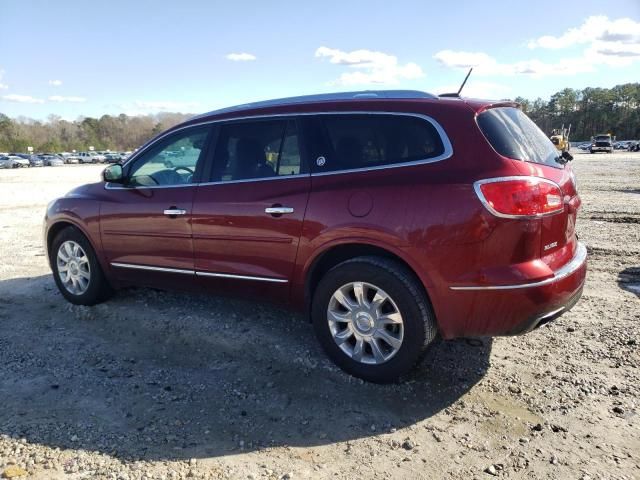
(634,146)
(51,160)
(25,156)
(390,217)
(5,162)
(14,161)
(72,158)
(113,157)
(602,143)
(35,161)
(98,157)
(87,157)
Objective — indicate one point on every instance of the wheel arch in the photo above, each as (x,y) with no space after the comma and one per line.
(335,254)
(59,225)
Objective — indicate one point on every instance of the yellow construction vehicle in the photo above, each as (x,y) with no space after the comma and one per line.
(560,138)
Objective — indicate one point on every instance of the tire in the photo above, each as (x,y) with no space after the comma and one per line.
(405,295)
(97,288)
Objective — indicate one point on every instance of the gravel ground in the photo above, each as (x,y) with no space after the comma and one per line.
(166,385)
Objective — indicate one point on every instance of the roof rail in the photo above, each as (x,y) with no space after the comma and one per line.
(327,97)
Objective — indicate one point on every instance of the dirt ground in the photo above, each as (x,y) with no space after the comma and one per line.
(166,385)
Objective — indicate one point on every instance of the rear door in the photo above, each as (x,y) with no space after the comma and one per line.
(247,218)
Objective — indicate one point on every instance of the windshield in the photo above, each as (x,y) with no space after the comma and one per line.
(603,138)
(514,135)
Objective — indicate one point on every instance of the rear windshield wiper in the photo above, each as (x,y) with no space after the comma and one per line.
(564,158)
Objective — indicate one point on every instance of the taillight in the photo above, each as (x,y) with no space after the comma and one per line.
(514,197)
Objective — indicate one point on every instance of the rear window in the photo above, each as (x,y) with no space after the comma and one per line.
(362,141)
(514,135)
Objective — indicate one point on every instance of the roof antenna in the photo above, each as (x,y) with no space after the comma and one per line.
(457,94)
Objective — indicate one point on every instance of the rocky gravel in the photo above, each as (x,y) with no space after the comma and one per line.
(157,385)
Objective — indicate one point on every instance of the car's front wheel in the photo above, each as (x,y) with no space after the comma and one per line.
(373,318)
(76,269)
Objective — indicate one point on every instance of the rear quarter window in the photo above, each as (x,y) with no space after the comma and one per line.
(357,141)
(514,135)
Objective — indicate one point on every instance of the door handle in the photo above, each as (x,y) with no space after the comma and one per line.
(278,210)
(173,211)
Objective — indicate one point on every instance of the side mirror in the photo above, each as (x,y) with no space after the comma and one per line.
(113,173)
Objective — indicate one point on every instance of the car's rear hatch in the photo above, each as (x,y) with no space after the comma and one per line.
(514,136)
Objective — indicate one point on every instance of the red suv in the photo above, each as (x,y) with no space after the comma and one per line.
(391,217)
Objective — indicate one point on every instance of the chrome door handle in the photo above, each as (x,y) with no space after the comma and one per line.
(174,211)
(278,210)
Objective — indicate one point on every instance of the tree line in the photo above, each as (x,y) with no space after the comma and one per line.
(120,133)
(589,111)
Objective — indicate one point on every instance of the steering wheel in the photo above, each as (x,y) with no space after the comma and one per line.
(183,168)
(189,176)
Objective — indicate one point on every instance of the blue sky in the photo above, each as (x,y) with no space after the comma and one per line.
(73,58)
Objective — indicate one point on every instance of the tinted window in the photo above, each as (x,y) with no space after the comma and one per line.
(514,135)
(361,141)
(172,162)
(259,149)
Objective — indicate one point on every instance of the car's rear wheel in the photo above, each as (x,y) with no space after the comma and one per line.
(373,318)
(76,269)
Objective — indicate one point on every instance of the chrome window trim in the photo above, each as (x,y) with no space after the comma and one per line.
(487,205)
(197,273)
(246,180)
(576,262)
(110,186)
(446,143)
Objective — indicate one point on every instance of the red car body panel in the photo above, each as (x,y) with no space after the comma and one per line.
(428,215)
(233,235)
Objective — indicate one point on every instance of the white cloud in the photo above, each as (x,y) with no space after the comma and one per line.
(480,61)
(55,83)
(608,43)
(595,28)
(22,98)
(484,64)
(369,67)
(240,57)
(60,99)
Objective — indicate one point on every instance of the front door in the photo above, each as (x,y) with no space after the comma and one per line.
(247,218)
(146,222)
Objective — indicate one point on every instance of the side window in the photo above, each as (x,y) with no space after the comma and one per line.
(172,162)
(361,141)
(258,149)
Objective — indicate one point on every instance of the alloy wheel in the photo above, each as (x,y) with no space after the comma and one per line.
(74,269)
(365,323)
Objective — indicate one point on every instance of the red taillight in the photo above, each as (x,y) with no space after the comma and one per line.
(520,196)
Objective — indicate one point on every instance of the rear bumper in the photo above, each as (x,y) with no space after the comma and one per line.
(511,309)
